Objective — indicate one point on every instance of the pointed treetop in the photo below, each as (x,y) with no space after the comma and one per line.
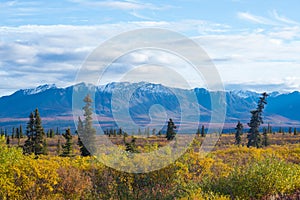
(88,99)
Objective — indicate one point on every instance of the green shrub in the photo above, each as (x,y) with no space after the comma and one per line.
(259,179)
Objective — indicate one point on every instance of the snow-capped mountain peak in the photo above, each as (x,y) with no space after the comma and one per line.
(244,93)
(39,89)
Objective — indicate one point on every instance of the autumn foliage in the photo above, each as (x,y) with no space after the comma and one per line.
(234,172)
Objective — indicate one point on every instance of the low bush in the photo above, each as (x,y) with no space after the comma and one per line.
(269,177)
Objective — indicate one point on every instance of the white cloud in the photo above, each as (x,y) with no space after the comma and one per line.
(15,10)
(286,33)
(255,19)
(33,55)
(275,19)
(122,5)
(283,18)
(140,16)
(254,58)
(137,57)
(8,3)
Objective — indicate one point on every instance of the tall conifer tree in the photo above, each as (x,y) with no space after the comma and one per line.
(254,137)
(68,146)
(35,142)
(170,130)
(86,131)
(39,143)
(238,133)
(28,147)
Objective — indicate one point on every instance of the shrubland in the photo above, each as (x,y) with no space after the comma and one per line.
(233,172)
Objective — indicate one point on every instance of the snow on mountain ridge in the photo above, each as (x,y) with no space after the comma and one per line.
(141,86)
(244,93)
(39,89)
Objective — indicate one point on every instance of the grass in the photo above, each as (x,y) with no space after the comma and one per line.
(225,141)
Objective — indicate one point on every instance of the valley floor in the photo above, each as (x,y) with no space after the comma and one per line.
(228,172)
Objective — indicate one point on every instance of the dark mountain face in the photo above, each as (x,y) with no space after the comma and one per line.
(56,103)
(51,102)
(286,105)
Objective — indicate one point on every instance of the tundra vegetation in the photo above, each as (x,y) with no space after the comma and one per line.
(39,165)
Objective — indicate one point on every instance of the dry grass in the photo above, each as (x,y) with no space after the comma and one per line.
(225,141)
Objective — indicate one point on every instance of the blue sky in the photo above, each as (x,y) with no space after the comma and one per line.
(254,44)
(91,12)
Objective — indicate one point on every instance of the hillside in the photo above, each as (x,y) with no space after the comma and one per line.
(55,104)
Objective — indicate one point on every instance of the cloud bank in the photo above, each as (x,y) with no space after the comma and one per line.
(262,58)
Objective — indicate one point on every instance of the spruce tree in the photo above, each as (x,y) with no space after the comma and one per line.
(39,144)
(28,147)
(105,132)
(52,134)
(159,133)
(295,131)
(13,133)
(45,147)
(111,132)
(80,132)
(18,135)
(269,128)
(125,134)
(58,147)
(124,139)
(265,140)
(131,147)
(202,131)
(120,131)
(290,130)
(87,133)
(198,132)
(21,131)
(89,130)
(68,146)
(57,131)
(170,130)
(7,140)
(238,133)
(83,150)
(35,142)
(254,137)
(154,131)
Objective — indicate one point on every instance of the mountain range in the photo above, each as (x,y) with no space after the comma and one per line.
(56,105)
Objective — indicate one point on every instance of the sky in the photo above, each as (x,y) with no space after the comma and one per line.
(255,45)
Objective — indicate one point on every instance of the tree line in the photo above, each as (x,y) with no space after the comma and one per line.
(36,142)
(255,138)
